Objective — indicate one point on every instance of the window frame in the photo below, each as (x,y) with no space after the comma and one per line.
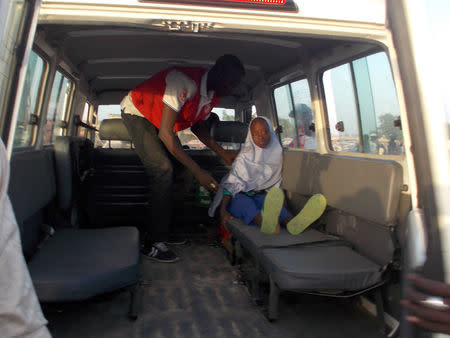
(39,102)
(274,106)
(323,102)
(68,111)
(88,120)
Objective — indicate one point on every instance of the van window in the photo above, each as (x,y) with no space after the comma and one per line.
(189,139)
(108,111)
(27,118)
(295,115)
(225,114)
(362,107)
(85,118)
(254,113)
(57,113)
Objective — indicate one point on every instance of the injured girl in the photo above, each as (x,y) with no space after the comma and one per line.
(251,190)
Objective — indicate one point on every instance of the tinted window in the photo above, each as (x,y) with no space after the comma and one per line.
(295,115)
(85,118)
(26,124)
(57,113)
(362,107)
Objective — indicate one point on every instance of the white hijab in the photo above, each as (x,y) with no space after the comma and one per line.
(254,168)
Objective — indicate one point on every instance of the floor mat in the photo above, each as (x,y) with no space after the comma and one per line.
(199,297)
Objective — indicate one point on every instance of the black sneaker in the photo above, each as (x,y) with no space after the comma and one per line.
(161,253)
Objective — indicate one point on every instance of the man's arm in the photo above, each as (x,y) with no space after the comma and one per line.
(167,136)
(202,132)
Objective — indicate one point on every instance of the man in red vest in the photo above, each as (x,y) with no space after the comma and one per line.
(172,100)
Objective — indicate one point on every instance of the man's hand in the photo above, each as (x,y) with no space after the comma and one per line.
(207,181)
(434,316)
(167,136)
(229,157)
(201,130)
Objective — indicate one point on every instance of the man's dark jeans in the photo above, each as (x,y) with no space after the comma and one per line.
(160,166)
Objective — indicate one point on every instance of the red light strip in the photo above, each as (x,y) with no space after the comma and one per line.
(282,5)
(268,2)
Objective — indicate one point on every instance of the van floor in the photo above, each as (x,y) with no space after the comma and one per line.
(199,296)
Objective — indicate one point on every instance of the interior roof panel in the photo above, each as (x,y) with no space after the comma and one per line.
(106,56)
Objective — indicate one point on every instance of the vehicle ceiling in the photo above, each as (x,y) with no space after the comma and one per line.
(114,59)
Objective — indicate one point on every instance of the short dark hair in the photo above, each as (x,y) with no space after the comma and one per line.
(229,61)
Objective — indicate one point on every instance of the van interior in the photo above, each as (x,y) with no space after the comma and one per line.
(80,192)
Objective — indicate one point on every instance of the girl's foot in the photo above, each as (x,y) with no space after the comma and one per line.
(271,211)
(312,210)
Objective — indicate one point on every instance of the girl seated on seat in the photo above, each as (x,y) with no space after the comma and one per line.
(251,190)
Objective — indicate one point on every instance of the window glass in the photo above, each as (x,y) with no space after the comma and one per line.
(225,114)
(254,113)
(57,113)
(28,109)
(85,116)
(12,35)
(341,108)
(110,111)
(189,140)
(85,119)
(362,107)
(295,115)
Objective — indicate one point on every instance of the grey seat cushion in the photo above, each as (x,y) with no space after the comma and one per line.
(319,268)
(77,264)
(254,240)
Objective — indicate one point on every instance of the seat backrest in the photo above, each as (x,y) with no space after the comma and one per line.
(119,187)
(367,188)
(72,164)
(299,171)
(229,131)
(31,188)
(113,130)
(363,194)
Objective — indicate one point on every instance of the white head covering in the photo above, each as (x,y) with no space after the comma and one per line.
(254,168)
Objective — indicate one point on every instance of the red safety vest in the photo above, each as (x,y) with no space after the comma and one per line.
(147,98)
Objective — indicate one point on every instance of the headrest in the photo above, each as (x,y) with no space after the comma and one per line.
(114,130)
(229,131)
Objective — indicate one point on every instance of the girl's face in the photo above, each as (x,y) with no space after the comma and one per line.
(260,133)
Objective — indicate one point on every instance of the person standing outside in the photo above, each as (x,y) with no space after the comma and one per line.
(170,101)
